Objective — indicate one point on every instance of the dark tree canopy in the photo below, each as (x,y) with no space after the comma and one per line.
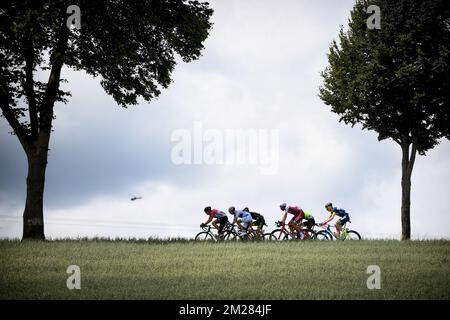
(394,80)
(130,44)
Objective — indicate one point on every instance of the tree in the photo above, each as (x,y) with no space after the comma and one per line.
(394,80)
(130,44)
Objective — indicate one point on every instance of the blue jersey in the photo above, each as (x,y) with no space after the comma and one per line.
(242,214)
(340,212)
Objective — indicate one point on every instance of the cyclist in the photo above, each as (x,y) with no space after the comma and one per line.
(246,218)
(309,222)
(258,221)
(341,213)
(294,224)
(221,219)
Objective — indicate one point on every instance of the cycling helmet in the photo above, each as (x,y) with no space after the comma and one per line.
(207,210)
(231,210)
(283,206)
(329,204)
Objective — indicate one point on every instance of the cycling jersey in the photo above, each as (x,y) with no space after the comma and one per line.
(256,215)
(244,215)
(294,210)
(340,212)
(308,216)
(259,220)
(217,214)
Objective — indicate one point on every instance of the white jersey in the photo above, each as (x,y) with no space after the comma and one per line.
(244,215)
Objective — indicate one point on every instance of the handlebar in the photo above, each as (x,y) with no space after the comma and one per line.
(206,227)
(279,224)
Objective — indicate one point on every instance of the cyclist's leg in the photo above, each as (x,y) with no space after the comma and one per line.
(338,226)
(310,223)
(298,225)
(294,224)
(344,221)
(215,224)
(239,224)
(262,222)
(222,222)
(258,225)
(247,225)
(242,228)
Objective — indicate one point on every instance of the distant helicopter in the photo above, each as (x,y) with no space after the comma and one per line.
(135,198)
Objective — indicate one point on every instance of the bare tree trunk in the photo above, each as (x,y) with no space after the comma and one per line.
(407,167)
(33,216)
(406,198)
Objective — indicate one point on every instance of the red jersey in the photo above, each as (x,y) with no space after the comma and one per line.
(216,214)
(296,211)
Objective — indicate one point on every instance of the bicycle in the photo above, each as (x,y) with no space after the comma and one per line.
(208,235)
(258,235)
(346,233)
(250,234)
(282,233)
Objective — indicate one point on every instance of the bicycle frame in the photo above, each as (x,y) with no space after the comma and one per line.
(231,232)
(208,229)
(293,235)
(227,229)
(331,233)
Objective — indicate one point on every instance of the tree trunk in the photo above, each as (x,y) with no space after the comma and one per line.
(35,143)
(407,167)
(33,216)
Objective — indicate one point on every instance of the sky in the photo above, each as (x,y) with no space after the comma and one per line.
(259,72)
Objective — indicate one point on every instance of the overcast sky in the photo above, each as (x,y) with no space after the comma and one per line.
(260,70)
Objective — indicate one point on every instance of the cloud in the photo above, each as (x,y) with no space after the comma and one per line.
(260,70)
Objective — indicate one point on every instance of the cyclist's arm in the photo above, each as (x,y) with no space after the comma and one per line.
(330,217)
(283,219)
(214,223)
(209,219)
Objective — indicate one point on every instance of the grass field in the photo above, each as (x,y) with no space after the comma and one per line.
(189,270)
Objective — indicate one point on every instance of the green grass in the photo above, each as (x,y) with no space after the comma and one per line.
(189,270)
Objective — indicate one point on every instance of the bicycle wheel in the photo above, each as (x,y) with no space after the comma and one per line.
(231,236)
(204,236)
(250,236)
(309,235)
(278,235)
(353,235)
(267,237)
(322,236)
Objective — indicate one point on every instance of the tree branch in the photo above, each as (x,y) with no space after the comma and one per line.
(13,122)
(412,157)
(29,89)
(58,55)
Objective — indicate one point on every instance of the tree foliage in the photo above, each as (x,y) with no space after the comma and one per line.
(131,45)
(394,80)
